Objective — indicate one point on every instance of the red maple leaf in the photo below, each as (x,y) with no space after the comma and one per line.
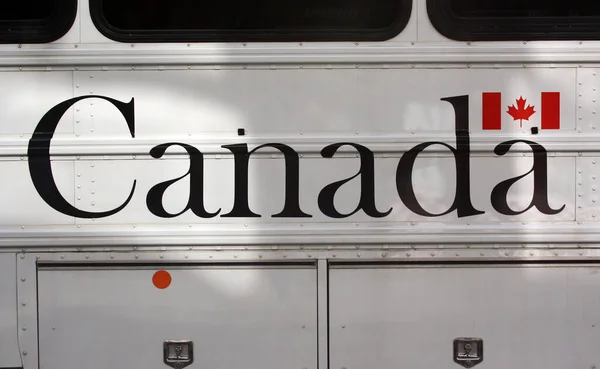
(520,112)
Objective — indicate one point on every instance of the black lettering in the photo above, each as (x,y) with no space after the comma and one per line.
(241,208)
(367,182)
(540,182)
(40,168)
(462,199)
(154,199)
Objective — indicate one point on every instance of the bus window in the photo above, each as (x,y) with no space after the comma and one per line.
(498,20)
(35,21)
(241,21)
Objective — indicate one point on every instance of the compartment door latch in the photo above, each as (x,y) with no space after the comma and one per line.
(468,352)
(178,353)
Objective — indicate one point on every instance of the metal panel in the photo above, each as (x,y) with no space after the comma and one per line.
(535,316)
(105,185)
(588,179)
(236,316)
(21,204)
(314,100)
(27,96)
(9,345)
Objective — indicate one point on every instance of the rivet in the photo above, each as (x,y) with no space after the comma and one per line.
(93,180)
(303,326)
(343,327)
(185,256)
(412,223)
(22,227)
(457,254)
(506,253)
(137,256)
(78,197)
(112,256)
(408,254)
(93,203)
(93,192)
(555,253)
(531,254)
(23,303)
(260,256)
(191,248)
(53,328)
(24,353)
(87,256)
(22,255)
(23,328)
(593,161)
(162,256)
(91,76)
(383,254)
(433,254)
(23,279)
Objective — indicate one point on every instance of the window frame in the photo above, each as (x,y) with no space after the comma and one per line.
(40,32)
(458,28)
(241,36)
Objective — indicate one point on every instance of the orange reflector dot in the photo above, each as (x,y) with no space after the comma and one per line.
(161,279)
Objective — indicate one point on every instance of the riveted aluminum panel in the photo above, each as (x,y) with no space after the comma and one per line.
(9,333)
(103,185)
(529,316)
(309,101)
(236,316)
(21,204)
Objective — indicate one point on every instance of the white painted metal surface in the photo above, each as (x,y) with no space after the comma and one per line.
(236,316)
(9,345)
(528,316)
(387,110)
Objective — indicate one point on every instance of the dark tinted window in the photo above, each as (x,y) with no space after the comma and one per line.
(35,21)
(516,20)
(258,20)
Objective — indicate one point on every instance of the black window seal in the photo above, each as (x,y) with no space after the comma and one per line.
(474,29)
(240,36)
(40,31)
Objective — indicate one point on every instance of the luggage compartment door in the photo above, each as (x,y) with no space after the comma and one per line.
(228,316)
(455,316)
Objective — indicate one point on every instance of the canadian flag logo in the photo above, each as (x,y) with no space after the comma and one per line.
(520,110)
